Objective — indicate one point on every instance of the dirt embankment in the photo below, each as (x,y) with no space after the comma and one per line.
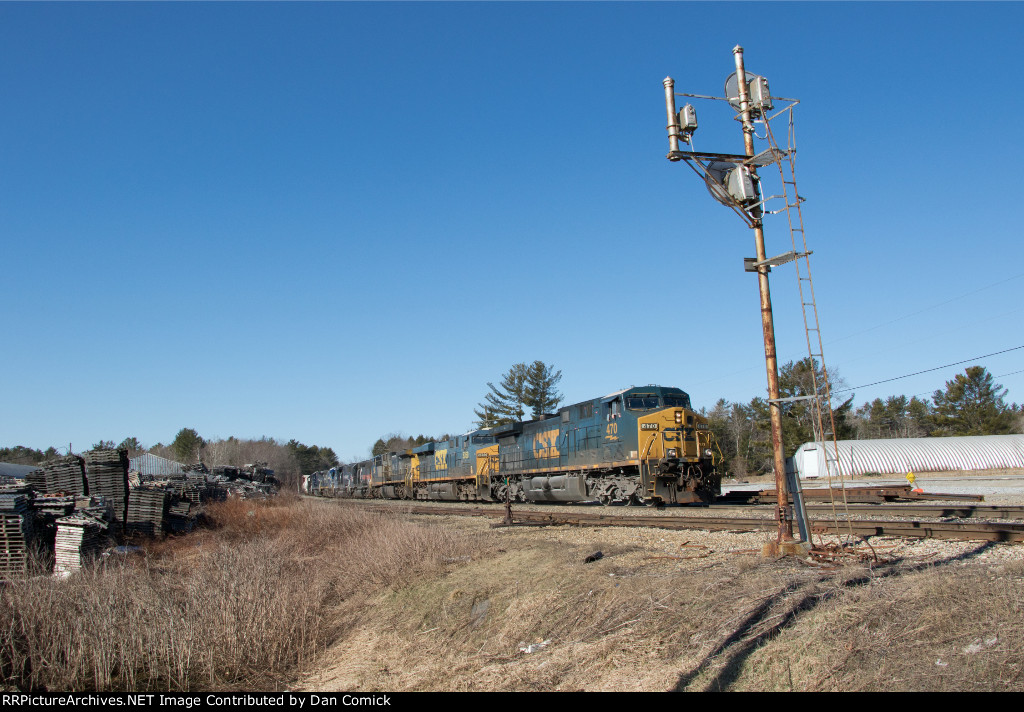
(685,611)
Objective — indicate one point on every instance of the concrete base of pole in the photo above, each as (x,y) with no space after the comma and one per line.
(776,549)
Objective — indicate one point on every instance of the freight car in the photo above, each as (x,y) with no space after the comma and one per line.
(639,445)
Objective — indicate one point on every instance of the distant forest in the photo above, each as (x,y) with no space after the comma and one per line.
(969,404)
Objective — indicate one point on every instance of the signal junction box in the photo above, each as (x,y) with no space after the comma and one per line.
(740,185)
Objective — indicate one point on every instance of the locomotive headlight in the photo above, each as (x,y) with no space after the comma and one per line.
(707,452)
(671,452)
(679,416)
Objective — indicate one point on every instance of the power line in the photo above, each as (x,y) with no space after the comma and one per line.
(891,346)
(1001,375)
(929,370)
(798,355)
(929,308)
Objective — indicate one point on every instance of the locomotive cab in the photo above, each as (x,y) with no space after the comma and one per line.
(676,449)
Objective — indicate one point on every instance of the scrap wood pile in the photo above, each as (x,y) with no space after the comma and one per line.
(72,508)
(246,489)
(35,528)
(252,479)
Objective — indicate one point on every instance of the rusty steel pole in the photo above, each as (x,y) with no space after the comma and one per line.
(673,121)
(767,321)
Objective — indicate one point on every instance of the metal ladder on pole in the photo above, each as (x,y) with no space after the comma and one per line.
(786,163)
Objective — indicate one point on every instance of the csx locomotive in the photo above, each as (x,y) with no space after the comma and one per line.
(639,445)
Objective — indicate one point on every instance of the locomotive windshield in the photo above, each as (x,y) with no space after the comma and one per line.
(642,402)
(646,401)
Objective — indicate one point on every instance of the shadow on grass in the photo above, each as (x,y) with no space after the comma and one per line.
(736,648)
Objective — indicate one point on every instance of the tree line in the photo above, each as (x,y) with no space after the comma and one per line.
(289,460)
(971,403)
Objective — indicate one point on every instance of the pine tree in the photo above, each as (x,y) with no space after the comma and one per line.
(505,403)
(522,387)
(972,405)
(187,446)
(486,418)
(796,379)
(540,393)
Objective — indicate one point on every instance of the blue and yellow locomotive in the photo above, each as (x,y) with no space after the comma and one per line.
(639,445)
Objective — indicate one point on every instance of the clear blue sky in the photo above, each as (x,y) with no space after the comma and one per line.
(329,221)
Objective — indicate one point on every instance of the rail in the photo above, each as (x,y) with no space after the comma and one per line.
(1011,532)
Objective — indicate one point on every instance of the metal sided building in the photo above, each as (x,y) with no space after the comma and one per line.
(902,455)
(155,466)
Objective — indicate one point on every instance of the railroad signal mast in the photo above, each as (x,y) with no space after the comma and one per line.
(733,181)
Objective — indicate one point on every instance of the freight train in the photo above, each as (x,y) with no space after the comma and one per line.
(641,445)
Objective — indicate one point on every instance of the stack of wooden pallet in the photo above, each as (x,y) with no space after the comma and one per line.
(63,474)
(214,493)
(107,474)
(54,505)
(36,480)
(96,506)
(178,516)
(146,508)
(79,539)
(16,532)
(191,489)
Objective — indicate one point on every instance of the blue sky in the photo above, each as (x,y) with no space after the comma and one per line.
(331,221)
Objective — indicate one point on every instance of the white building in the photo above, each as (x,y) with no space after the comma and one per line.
(902,455)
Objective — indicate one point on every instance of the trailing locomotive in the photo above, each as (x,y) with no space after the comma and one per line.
(639,445)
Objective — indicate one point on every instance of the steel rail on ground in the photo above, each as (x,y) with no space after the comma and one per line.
(917,529)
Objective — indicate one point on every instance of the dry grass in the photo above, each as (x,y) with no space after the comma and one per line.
(939,628)
(625,622)
(633,621)
(357,600)
(239,606)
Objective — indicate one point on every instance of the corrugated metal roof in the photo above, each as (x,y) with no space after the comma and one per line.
(149,464)
(902,455)
(10,469)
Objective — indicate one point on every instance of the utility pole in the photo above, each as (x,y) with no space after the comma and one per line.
(783,512)
(732,180)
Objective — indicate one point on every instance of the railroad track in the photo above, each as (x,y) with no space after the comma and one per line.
(972,531)
(960,511)
(863,495)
